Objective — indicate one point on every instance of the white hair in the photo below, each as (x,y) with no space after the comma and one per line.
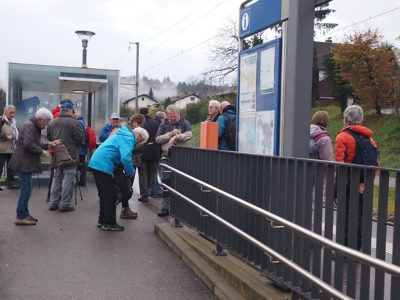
(354,115)
(143,132)
(8,107)
(214,103)
(44,114)
(172,108)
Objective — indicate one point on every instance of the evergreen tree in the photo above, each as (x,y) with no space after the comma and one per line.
(151,94)
(167,102)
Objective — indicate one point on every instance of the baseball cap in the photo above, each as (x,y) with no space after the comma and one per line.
(115,115)
(67,105)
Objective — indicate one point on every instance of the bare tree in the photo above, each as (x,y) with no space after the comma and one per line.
(223,54)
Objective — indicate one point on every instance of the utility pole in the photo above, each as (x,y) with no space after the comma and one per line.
(137,76)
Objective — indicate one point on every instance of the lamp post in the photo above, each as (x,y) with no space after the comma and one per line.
(85,36)
(137,76)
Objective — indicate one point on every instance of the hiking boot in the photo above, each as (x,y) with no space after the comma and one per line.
(1,188)
(164,212)
(66,208)
(126,213)
(24,222)
(144,199)
(32,218)
(114,227)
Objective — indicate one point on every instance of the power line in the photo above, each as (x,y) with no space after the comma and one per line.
(176,23)
(184,29)
(177,55)
(359,22)
(176,33)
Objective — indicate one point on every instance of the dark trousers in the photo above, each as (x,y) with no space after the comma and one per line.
(5,157)
(82,168)
(107,191)
(145,172)
(359,218)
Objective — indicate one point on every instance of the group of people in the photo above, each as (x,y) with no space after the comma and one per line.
(353,144)
(139,144)
(222,112)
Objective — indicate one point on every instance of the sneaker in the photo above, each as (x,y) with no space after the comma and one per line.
(164,212)
(114,227)
(144,199)
(1,188)
(32,218)
(53,207)
(24,222)
(66,208)
(126,213)
(99,225)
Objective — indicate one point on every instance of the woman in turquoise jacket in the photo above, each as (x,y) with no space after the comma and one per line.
(116,150)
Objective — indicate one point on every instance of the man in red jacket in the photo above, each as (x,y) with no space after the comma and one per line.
(349,138)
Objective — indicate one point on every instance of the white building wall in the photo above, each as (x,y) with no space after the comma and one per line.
(182,103)
(143,102)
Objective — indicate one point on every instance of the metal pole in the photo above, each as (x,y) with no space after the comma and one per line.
(297,79)
(137,78)
(84,54)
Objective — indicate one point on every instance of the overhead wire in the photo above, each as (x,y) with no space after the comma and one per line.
(179,54)
(359,22)
(176,33)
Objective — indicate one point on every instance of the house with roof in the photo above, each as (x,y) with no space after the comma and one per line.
(182,101)
(144,101)
(325,82)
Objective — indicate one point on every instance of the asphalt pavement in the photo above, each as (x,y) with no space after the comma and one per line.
(65,256)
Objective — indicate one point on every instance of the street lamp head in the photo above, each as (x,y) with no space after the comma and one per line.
(85,36)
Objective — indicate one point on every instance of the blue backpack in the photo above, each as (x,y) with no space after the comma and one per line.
(366,153)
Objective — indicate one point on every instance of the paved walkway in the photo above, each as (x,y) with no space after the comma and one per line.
(66,257)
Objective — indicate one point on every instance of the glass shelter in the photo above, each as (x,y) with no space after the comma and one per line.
(93,91)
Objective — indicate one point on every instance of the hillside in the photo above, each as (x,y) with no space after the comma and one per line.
(386,133)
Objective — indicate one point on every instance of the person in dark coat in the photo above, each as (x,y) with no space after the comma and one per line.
(69,131)
(26,160)
(151,155)
(155,189)
(227,111)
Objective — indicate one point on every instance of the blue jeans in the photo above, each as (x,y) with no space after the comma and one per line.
(155,188)
(25,184)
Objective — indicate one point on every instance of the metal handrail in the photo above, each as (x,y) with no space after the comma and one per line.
(355,255)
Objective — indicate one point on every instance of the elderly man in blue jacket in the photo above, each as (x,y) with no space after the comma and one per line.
(116,150)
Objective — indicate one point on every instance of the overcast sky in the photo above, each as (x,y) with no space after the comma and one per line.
(174,35)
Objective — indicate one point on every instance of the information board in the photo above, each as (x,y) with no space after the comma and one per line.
(259,99)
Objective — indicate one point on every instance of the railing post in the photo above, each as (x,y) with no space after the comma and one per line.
(219,251)
(176,223)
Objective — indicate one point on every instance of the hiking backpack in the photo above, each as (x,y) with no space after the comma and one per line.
(230,131)
(314,149)
(366,153)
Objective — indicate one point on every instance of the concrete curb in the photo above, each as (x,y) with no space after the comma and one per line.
(226,276)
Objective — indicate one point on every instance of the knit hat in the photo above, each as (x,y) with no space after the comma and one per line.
(67,105)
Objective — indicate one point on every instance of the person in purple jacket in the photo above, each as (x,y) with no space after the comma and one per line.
(320,140)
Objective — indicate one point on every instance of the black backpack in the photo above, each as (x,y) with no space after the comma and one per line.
(366,153)
(230,131)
